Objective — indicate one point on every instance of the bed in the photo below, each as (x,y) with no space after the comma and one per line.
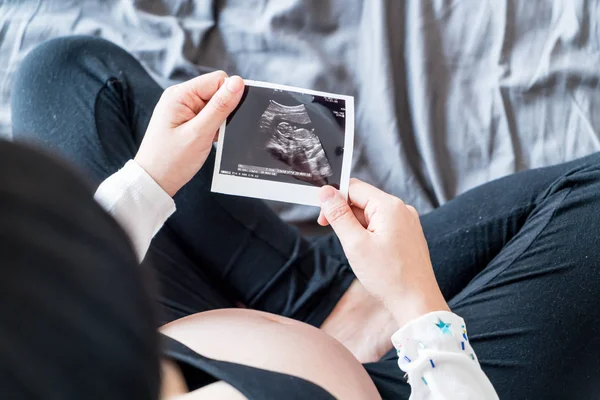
(449,93)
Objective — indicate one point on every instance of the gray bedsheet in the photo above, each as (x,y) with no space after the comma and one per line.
(449,93)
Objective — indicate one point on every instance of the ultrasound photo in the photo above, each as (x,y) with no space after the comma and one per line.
(291,136)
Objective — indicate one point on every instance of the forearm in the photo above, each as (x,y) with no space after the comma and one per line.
(432,343)
(411,302)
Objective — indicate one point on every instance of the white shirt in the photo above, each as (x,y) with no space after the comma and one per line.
(433,350)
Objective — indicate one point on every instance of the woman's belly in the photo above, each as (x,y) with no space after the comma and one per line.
(275,343)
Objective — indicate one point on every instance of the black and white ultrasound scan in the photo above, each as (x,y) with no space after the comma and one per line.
(284,143)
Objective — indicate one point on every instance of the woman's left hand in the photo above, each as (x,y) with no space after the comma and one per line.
(184,125)
(386,248)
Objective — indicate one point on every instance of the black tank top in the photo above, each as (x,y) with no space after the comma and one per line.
(254,383)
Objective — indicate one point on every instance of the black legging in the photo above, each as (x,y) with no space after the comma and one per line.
(517,258)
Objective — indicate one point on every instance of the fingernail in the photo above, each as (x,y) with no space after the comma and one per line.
(234,84)
(326,194)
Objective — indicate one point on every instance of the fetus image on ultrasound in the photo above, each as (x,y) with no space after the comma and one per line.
(292,140)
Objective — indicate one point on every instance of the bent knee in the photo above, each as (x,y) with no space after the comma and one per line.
(55,60)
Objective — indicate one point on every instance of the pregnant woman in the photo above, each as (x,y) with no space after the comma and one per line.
(241,294)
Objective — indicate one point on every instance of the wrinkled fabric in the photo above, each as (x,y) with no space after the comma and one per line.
(298,147)
(449,93)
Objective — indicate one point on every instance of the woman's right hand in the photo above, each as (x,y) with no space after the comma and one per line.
(386,248)
(184,125)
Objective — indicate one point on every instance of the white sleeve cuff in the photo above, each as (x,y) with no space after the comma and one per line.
(440,330)
(435,352)
(140,205)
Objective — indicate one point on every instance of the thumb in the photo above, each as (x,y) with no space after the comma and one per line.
(220,105)
(340,216)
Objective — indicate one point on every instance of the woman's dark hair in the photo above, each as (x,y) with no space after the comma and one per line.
(76,321)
